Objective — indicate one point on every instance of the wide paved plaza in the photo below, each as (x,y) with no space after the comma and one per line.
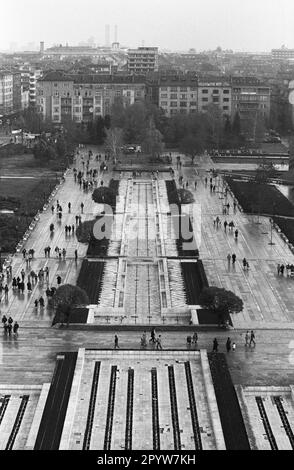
(143,286)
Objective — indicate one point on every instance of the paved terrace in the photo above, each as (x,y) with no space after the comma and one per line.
(268,298)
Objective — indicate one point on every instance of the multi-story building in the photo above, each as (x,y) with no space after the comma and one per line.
(142,60)
(85,97)
(250,97)
(177,94)
(16,92)
(34,77)
(215,92)
(6,93)
(283,53)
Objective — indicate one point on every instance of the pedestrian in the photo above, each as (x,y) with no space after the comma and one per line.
(52,209)
(143,340)
(252,338)
(278,268)
(247,338)
(229,259)
(9,328)
(225,225)
(195,185)
(4,320)
(116,346)
(58,280)
(41,302)
(158,342)
(189,341)
(234,258)
(6,289)
(36,302)
(228,344)
(236,234)
(69,207)
(234,346)
(195,338)
(82,207)
(152,336)
(15,328)
(76,255)
(244,262)
(215,345)
(282,267)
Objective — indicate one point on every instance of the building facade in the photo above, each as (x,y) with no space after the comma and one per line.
(218,93)
(177,96)
(85,97)
(142,60)
(283,53)
(6,93)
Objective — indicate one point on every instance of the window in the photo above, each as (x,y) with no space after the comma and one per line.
(163,89)
(183,97)
(56,93)
(163,95)
(215,92)
(173,88)
(183,89)
(193,103)
(225,108)
(226,92)
(226,100)
(164,103)
(205,91)
(215,99)
(173,96)
(173,104)
(204,99)
(56,110)
(55,118)
(183,104)
(192,96)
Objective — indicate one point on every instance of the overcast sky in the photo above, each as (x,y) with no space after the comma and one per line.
(245,25)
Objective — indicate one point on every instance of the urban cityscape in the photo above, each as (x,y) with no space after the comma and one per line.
(146,235)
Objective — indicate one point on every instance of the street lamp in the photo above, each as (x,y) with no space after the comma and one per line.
(272,223)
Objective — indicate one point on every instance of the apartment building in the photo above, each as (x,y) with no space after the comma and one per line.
(177,94)
(85,97)
(215,92)
(142,60)
(250,97)
(6,92)
(283,53)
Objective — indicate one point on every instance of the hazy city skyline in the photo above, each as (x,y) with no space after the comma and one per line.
(231,24)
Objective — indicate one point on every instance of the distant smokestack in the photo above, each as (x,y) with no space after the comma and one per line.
(42,47)
(107,35)
(115,33)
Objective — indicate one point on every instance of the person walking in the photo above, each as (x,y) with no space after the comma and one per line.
(234,257)
(247,338)
(152,336)
(234,346)
(252,338)
(158,342)
(228,345)
(215,345)
(15,328)
(236,234)
(229,259)
(58,280)
(76,255)
(225,225)
(69,207)
(116,346)
(244,262)
(195,338)
(82,207)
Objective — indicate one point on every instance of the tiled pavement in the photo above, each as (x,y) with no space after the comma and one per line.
(142,435)
(268,298)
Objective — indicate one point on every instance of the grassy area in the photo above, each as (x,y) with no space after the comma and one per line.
(24,193)
(260,198)
(287,227)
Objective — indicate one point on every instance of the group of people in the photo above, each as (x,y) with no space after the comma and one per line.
(288,267)
(217,222)
(231,345)
(9,326)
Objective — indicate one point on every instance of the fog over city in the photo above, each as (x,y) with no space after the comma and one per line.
(231,24)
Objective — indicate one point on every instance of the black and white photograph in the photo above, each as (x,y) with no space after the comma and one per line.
(146,230)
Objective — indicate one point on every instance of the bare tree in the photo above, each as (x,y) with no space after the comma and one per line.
(114,142)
